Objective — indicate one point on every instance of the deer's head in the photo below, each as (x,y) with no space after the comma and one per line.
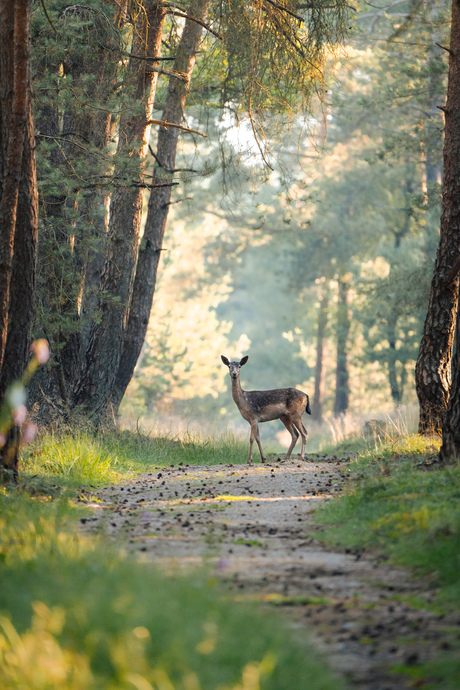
(234,367)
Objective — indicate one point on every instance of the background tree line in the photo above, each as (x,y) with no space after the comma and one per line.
(325,269)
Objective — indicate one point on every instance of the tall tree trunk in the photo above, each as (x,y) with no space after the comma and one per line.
(21,224)
(102,360)
(22,293)
(323,313)
(342,388)
(433,368)
(14,113)
(158,207)
(434,362)
(450,227)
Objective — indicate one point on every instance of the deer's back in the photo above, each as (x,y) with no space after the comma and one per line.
(268,405)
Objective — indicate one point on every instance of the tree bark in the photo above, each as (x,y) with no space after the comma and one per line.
(102,360)
(318,397)
(450,227)
(14,112)
(433,368)
(22,292)
(158,207)
(342,388)
(21,222)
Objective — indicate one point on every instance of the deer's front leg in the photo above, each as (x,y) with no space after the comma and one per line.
(251,439)
(256,435)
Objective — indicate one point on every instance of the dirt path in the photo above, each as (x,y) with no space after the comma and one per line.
(253,525)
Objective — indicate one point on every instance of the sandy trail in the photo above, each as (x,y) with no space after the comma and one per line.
(253,525)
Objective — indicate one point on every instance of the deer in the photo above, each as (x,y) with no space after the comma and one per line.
(286,404)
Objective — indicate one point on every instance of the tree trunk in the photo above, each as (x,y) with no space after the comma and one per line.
(450,227)
(158,207)
(318,397)
(433,368)
(14,113)
(95,385)
(21,223)
(22,292)
(342,389)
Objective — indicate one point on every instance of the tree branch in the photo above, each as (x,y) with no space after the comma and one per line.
(185,15)
(165,124)
(285,9)
(42,2)
(175,170)
(448,50)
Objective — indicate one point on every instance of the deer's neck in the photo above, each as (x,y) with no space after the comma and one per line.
(237,392)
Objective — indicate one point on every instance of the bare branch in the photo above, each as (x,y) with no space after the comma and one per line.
(448,50)
(165,124)
(175,170)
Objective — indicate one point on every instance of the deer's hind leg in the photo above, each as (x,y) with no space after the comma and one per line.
(303,432)
(293,430)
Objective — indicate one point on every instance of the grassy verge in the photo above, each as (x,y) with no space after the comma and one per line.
(75,614)
(412,515)
(84,459)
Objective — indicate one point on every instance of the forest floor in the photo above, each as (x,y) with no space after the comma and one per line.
(253,527)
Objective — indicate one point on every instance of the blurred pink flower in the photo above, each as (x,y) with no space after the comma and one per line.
(29,433)
(19,415)
(222,564)
(41,350)
(2,440)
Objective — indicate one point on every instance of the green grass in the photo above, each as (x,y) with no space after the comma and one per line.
(411,514)
(74,614)
(86,459)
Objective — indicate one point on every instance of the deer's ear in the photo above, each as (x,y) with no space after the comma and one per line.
(244,360)
(225,360)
